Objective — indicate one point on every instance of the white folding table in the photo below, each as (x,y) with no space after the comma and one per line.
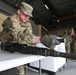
(11,60)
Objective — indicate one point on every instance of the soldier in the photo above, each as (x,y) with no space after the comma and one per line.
(68,41)
(17,28)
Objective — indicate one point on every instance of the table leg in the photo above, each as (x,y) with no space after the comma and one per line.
(39,67)
(26,69)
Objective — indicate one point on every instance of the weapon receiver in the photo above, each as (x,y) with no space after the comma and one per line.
(27,49)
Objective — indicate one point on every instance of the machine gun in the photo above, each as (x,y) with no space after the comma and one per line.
(27,49)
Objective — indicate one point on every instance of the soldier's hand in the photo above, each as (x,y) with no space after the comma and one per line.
(36,39)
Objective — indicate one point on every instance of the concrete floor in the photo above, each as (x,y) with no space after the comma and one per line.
(70,69)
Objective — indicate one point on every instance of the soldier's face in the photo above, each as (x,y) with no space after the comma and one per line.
(23,17)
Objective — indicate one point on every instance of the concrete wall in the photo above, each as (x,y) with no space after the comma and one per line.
(2,18)
(6,8)
(5,11)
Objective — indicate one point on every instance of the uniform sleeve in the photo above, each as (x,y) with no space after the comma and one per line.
(28,29)
(28,35)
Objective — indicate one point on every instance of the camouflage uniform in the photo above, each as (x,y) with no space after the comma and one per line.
(14,30)
(68,42)
(73,45)
(24,30)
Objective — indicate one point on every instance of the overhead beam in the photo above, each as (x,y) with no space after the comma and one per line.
(65,17)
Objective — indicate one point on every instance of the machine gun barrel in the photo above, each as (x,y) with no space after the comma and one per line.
(26,49)
(67,55)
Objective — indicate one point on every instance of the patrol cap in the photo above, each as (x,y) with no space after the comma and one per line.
(26,8)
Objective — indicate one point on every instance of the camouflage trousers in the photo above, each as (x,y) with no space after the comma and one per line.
(21,70)
(74,47)
(68,50)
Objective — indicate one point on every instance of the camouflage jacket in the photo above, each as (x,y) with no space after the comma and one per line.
(68,39)
(21,32)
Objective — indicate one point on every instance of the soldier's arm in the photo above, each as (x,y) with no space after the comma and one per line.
(5,33)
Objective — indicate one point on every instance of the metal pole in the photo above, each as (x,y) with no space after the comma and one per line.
(39,67)
(26,69)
